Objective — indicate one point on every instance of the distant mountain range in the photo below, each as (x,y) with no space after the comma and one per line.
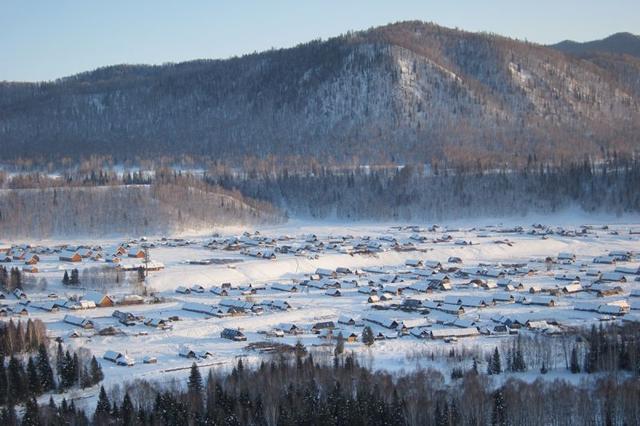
(405,92)
(619,43)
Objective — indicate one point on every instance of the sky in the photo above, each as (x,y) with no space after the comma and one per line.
(48,39)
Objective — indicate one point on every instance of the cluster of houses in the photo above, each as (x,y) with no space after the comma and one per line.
(427,287)
(86,301)
(30,257)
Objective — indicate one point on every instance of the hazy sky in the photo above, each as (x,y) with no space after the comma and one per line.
(47,39)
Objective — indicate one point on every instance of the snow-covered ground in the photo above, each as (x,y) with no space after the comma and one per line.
(494,249)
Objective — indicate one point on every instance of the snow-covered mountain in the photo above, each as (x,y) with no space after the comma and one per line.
(406,92)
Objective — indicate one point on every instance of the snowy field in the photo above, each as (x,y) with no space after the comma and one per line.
(420,288)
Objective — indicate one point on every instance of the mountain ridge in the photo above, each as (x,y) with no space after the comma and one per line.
(404,92)
(619,43)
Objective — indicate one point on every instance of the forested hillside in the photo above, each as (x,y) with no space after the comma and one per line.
(404,93)
(164,207)
(410,194)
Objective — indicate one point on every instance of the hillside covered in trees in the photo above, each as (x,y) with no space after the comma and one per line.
(406,92)
(410,193)
(33,205)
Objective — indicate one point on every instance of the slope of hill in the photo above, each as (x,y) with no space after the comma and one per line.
(127,209)
(619,43)
(406,92)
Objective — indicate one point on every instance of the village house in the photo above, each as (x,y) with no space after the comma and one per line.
(414,263)
(566,256)
(70,256)
(607,260)
(315,328)
(125,318)
(100,300)
(348,320)
(158,323)
(136,252)
(211,310)
(46,306)
(323,272)
(77,305)
(503,297)
(233,334)
(610,276)
(381,320)
(291,288)
(79,322)
(19,294)
(31,259)
(131,299)
(603,290)
(119,358)
(574,287)
(541,301)
(290,328)
(220,291)
(443,333)
(628,269)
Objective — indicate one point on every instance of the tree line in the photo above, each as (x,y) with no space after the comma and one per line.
(301,391)
(28,369)
(10,279)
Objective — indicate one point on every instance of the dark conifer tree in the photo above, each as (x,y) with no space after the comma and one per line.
(498,417)
(31,413)
(16,379)
(103,408)
(339,344)
(3,381)
(127,412)
(45,372)
(96,371)
(367,336)
(575,365)
(496,367)
(33,380)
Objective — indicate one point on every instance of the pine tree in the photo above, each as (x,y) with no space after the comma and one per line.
(75,277)
(575,365)
(115,412)
(96,371)
(195,387)
(68,373)
(496,367)
(367,336)
(195,379)
(519,364)
(543,369)
(75,369)
(339,344)
(3,381)
(65,278)
(127,412)
(103,408)
(44,369)
(33,381)
(31,413)
(498,417)
(16,379)
(59,359)
(85,378)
